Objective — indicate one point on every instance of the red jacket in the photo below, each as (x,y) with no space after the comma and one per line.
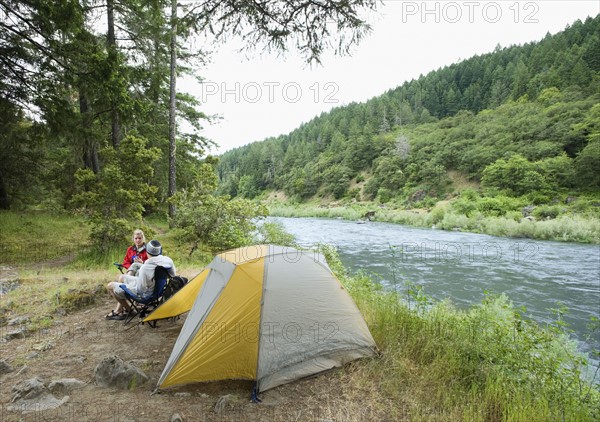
(133,251)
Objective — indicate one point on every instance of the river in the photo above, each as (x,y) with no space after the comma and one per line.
(537,275)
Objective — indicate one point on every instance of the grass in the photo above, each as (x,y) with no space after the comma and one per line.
(436,363)
(35,237)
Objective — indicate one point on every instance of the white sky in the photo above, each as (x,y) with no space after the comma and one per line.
(261,95)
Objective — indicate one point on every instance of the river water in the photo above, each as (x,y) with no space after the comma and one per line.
(537,275)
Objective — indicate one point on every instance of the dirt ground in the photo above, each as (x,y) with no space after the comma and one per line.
(77,343)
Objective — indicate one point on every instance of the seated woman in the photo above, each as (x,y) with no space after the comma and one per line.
(136,255)
(140,284)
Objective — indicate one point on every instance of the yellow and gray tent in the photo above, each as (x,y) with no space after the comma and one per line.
(267,313)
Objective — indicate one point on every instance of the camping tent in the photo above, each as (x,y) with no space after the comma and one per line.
(266,313)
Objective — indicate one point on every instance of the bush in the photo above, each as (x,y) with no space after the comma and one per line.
(464,206)
(537,198)
(437,214)
(546,212)
(384,195)
(354,193)
(273,233)
(371,187)
(217,221)
(114,199)
(517,175)
(497,206)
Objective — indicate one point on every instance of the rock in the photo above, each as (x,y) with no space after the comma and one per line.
(113,372)
(22,320)
(8,284)
(43,346)
(185,394)
(369,215)
(176,418)
(5,367)
(570,199)
(28,389)
(32,396)
(526,211)
(223,402)
(418,196)
(20,332)
(65,385)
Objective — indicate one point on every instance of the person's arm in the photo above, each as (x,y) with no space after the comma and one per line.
(172,271)
(128,255)
(143,256)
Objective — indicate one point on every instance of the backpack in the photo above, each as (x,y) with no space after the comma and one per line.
(175,284)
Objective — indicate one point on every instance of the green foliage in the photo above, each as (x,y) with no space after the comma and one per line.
(216,221)
(587,165)
(114,200)
(496,206)
(547,212)
(517,176)
(271,232)
(384,195)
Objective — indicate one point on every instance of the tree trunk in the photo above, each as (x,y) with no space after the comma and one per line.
(112,52)
(4,201)
(90,150)
(172,108)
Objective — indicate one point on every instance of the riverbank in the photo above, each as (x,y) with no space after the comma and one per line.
(567,228)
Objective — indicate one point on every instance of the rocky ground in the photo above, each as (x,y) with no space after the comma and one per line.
(49,375)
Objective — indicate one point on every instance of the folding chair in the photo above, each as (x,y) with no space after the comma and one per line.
(144,304)
(119,266)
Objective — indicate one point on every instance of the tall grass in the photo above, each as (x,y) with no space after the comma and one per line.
(483,364)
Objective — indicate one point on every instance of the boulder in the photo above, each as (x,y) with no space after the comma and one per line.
(5,367)
(32,396)
(65,385)
(20,332)
(114,372)
(527,210)
(22,320)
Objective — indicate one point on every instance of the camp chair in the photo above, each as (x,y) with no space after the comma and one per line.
(119,266)
(143,305)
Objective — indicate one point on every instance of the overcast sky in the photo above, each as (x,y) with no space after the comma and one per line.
(259,96)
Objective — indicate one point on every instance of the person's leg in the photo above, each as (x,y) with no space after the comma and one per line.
(116,293)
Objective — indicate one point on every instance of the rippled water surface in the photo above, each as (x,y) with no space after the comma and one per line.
(538,275)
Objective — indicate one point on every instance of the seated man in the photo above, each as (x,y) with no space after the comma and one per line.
(140,284)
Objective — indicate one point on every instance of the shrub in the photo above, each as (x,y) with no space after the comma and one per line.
(354,193)
(517,175)
(114,199)
(384,195)
(217,221)
(371,187)
(547,212)
(437,214)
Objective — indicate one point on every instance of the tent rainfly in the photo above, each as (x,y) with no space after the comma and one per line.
(266,313)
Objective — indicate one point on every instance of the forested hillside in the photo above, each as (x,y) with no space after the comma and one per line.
(520,120)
